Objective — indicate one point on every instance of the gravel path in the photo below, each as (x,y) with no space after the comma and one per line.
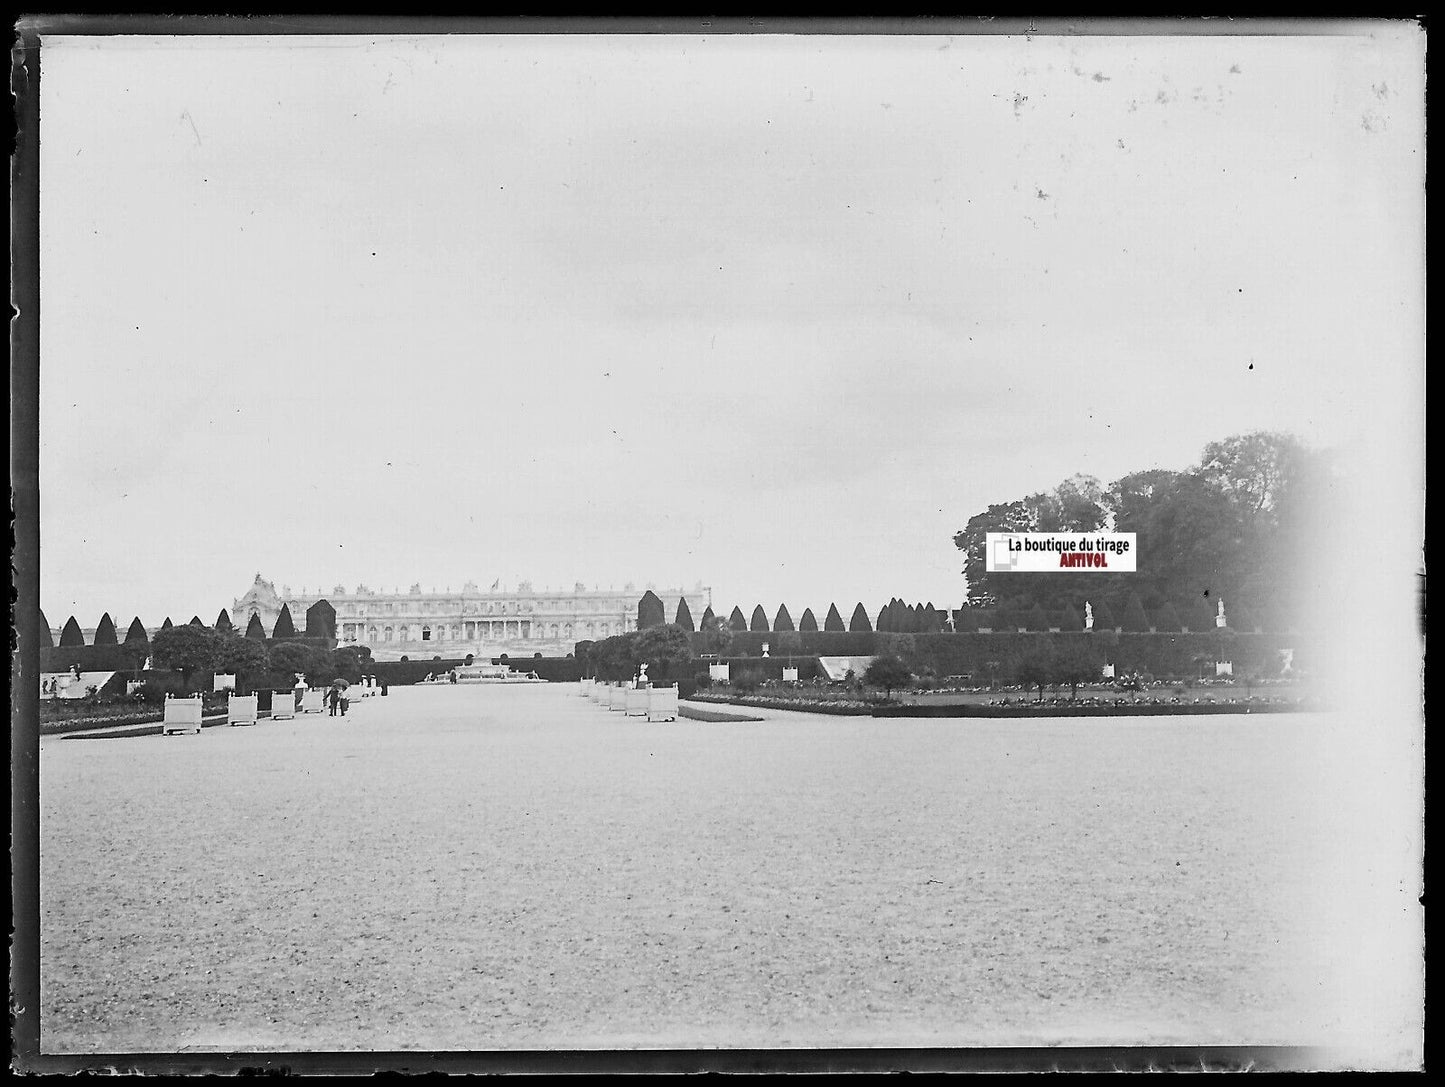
(487,866)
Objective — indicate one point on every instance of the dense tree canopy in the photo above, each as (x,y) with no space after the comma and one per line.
(1036,669)
(666,650)
(187,649)
(245,658)
(1237,524)
(1075,664)
(887,671)
(292,657)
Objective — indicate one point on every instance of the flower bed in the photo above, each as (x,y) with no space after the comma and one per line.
(75,715)
(847,704)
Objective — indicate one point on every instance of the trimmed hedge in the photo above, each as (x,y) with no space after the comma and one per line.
(92,658)
(1162,654)
(757,669)
(552,669)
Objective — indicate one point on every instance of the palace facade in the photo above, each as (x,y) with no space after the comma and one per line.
(421,625)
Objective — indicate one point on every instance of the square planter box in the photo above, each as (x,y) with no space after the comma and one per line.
(662,704)
(283,704)
(181,715)
(241,709)
(635,702)
(313,701)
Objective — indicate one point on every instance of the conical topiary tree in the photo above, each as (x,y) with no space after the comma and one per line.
(708,620)
(650,612)
(43,634)
(784,621)
(1200,616)
(321,620)
(254,629)
(737,620)
(860,622)
(196,622)
(833,621)
(1006,616)
(70,634)
(760,620)
(285,627)
(136,633)
(1167,619)
(808,623)
(223,622)
(1038,619)
(884,622)
(1104,617)
(683,618)
(1068,619)
(1136,619)
(104,631)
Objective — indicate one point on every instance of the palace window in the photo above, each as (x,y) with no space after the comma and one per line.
(426,634)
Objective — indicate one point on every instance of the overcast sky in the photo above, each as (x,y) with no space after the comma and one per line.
(774,313)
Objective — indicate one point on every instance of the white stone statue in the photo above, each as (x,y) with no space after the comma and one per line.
(1219,618)
(1088,616)
(642,675)
(765,649)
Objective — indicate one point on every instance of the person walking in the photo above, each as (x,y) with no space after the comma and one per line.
(333,696)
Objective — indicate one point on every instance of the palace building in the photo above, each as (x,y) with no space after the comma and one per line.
(421,625)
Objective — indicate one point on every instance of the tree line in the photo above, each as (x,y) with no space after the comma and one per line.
(1234,526)
(320,623)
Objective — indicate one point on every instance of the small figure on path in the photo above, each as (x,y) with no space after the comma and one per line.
(333,697)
